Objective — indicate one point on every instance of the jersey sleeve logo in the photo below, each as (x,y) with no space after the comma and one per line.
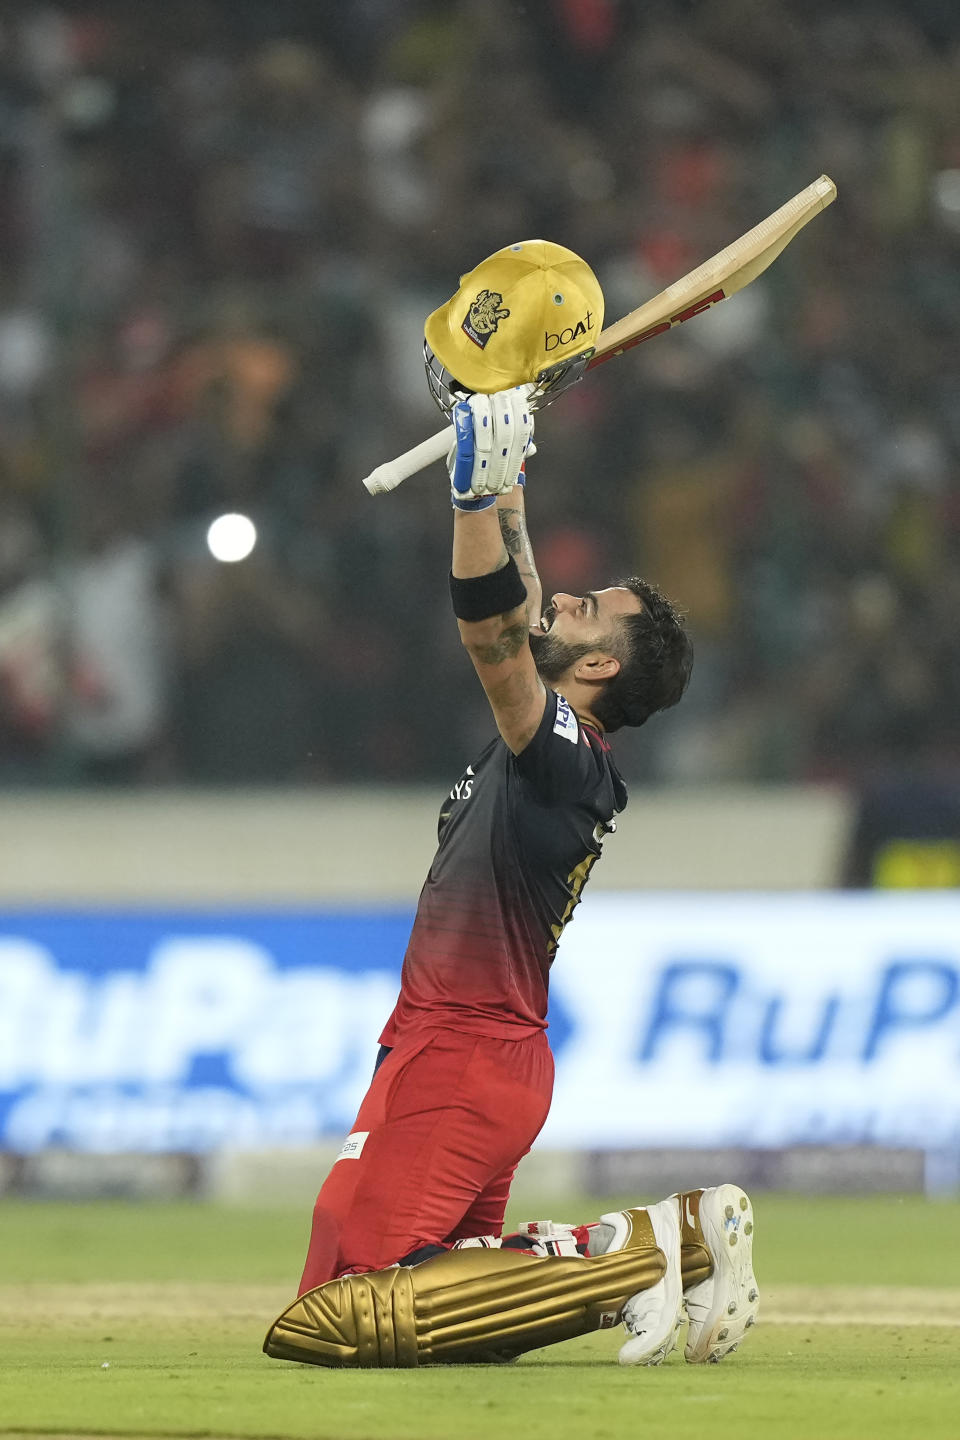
(566,723)
(464,786)
(352,1147)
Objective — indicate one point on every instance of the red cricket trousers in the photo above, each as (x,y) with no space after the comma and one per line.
(433,1151)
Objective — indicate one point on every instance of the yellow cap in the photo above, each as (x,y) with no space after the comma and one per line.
(520,310)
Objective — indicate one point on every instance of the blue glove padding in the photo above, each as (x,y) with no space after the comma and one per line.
(461,473)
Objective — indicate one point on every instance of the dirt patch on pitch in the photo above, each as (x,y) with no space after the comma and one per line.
(134,1310)
(141,1307)
(859,1305)
(127,1301)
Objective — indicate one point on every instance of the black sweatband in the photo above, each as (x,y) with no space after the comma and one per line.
(483,596)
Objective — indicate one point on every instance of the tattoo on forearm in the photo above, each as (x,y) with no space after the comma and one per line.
(508,643)
(512,530)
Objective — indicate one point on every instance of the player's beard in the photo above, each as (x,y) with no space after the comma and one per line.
(554,657)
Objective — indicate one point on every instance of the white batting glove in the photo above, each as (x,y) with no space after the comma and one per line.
(492,438)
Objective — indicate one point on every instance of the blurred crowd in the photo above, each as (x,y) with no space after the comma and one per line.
(221,228)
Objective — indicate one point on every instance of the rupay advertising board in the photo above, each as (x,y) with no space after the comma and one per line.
(675,1019)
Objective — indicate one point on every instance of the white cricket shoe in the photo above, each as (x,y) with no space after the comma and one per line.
(723,1307)
(653,1317)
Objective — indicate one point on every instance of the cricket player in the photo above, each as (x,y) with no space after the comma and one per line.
(407,1262)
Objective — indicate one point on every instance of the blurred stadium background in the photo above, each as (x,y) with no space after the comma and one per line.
(221,228)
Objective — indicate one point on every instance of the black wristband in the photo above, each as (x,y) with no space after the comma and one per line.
(483,596)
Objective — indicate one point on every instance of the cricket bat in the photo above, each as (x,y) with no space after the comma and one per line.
(722,275)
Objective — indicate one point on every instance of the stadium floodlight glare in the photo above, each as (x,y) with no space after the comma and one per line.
(231,538)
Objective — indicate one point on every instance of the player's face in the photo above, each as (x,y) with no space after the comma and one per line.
(573,626)
(579,618)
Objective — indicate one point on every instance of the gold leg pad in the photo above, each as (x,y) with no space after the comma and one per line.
(695,1259)
(695,1264)
(467,1306)
(359,1322)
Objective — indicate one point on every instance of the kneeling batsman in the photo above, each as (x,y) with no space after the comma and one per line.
(491,1299)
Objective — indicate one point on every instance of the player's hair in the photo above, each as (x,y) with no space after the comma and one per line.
(656,657)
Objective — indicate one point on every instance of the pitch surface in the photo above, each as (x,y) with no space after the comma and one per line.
(146,1322)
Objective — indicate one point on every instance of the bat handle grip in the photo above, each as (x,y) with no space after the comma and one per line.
(389,475)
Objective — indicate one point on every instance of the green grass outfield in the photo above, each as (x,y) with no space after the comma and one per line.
(147,1320)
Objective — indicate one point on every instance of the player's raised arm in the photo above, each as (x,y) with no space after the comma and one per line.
(511,513)
(494,603)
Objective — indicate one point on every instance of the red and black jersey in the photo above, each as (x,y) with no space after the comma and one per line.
(518,837)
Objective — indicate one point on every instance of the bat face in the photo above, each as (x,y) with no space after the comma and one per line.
(719,277)
(660,328)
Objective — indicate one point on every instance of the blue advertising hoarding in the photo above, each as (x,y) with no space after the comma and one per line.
(675,1019)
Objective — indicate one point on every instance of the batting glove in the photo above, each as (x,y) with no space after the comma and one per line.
(492,437)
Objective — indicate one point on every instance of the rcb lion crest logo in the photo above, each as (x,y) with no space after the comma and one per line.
(484,316)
